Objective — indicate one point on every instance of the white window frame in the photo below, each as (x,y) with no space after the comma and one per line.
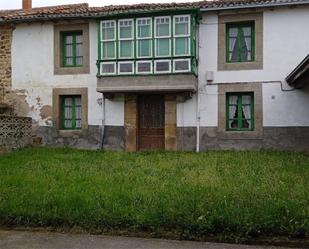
(169,29)
(182,71)
(162,72)
(188,36)
(125,73)
(151,67)
(126,39)
(174,25)
(108,62)
(108,40)
(150,38)
(163,37)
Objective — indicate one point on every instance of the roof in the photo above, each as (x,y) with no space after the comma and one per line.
(84,11)
(299,77)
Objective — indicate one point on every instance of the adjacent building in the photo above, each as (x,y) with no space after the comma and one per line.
(190,76)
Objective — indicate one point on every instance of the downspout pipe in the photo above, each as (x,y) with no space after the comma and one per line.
(103,122)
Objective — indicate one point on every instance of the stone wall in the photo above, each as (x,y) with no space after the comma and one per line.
(91,138)
(5,62)
(281,138)
(15,132)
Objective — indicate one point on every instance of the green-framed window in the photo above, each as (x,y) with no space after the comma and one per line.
(72,49)
(240,111)
(240,42)
(71,107)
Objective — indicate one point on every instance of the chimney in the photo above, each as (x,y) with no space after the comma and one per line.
(27,4)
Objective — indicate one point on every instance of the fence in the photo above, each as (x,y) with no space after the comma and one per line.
(15,132)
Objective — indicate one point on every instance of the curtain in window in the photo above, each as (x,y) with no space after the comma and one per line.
(246,41)
(78,112)
(233,33)
(246,109)
(233,111)
(68,102)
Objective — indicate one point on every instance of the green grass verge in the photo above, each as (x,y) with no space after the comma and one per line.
(239,194)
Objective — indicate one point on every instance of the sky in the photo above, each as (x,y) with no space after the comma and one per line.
(16,4)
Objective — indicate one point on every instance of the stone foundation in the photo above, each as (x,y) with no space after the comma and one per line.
(91,138)
(281,138)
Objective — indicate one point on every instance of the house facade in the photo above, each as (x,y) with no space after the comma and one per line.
(190,76)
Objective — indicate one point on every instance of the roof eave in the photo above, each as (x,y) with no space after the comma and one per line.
(305,2)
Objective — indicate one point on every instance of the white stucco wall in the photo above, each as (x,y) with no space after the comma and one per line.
(33,71)
(286,43)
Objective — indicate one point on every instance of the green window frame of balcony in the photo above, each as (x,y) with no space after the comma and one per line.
(145,42)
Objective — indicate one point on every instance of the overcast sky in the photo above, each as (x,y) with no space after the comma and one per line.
(16,4)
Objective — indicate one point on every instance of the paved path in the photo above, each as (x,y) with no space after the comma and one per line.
(47,240)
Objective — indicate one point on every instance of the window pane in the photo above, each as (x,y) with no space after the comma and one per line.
(108,30)
(246,49)
(181,25)
(162,26)
(144,48)
(246,111)
(125,29)
(183,65)
(233,99)
(233,124)
(79,61)
(163,47)
(246,99)
(79,50)
(68,123)
(126,49)
(181,46)
(246,31)
(233,32)
(69,61)
(144,67)
(162,66)
(108,68)
(232,112)
(68,112)
(108,50)
(246,124)
(126,67)
(233,55)
(68,39)
(144,28)
(69,50)
(79,39)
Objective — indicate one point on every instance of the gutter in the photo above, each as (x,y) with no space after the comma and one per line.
(305,2)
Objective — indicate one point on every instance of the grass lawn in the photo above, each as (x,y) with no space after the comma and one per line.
(236,194)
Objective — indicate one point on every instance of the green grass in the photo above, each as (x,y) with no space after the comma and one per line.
(238,194)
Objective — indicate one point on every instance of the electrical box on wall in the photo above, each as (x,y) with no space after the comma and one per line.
(209,76)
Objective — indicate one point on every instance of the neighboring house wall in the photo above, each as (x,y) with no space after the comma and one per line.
(5,62)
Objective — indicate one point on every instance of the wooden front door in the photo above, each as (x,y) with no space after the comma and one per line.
(151,110)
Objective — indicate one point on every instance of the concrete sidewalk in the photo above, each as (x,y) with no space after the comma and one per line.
(48,240)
